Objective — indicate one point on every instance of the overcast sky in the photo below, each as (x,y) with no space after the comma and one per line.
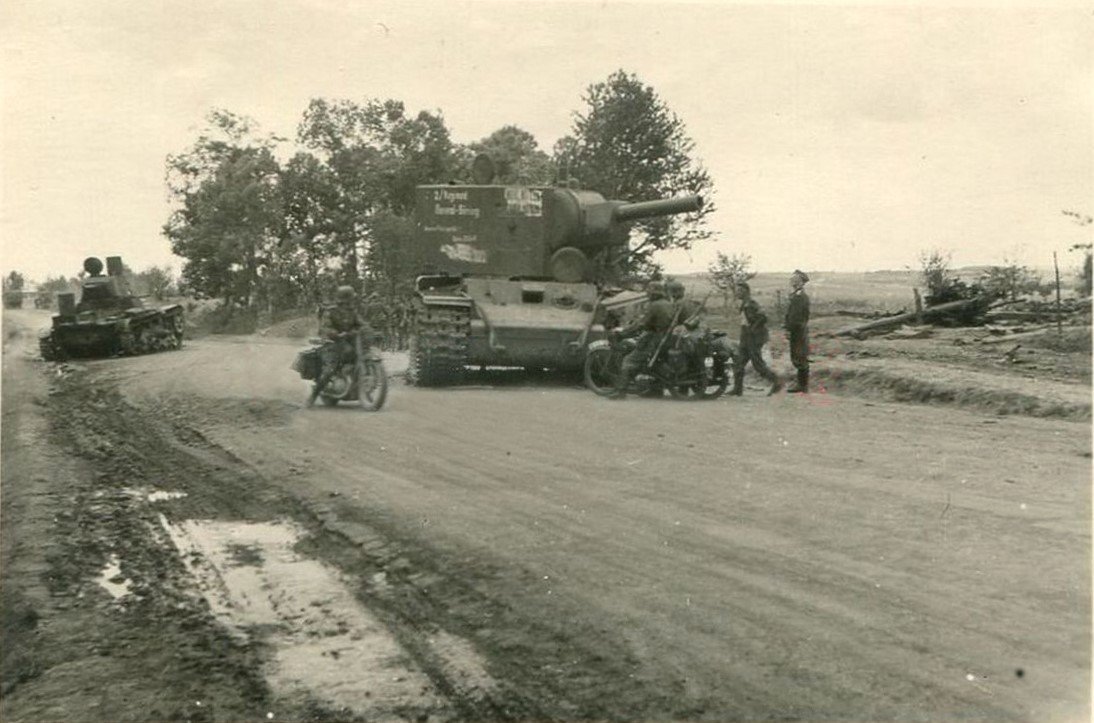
(837,138)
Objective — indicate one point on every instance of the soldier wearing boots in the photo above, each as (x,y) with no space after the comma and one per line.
(651,329)
(338,322)
(797,328)
(751,344)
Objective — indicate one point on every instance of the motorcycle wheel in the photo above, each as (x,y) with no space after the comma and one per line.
(371,385)
(709,386)
(329,401)
(601,371)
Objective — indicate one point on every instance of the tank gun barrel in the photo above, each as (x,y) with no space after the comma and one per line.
(660,207)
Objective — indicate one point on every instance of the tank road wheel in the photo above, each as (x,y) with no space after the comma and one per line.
(439,346)
(47,349)
(127,344)
(602,368)
(371,385)
(176,331)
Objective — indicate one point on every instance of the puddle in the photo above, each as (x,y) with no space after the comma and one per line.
(108,576)
(163,495)
(325,645)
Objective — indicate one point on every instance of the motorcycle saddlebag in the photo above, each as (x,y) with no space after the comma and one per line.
(307,364)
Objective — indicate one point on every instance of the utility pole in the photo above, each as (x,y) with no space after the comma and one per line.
(1059,321)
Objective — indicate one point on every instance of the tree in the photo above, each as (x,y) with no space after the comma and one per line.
(231,215)
(516,156)
(52,286)
(373,155)
(626,144)
(314,214)
(394,255)
(156,281)
(14,281)
(942,285)
(726,272)
(1086,271)
(1009,280)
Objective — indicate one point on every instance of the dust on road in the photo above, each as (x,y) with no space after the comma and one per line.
(793,557)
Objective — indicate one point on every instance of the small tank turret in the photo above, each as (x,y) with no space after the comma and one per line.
(109,319)
(510,272)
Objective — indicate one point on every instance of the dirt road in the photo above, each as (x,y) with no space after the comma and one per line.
(534,551)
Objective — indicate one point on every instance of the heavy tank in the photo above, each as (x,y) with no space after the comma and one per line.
(109,320)
(517,274)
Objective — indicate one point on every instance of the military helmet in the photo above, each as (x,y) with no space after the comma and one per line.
(344,293)
(675,289)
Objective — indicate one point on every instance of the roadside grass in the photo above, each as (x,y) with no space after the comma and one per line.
(879,384)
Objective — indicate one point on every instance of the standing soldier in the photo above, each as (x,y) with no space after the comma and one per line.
(797,321)
(751,344)
(651,328)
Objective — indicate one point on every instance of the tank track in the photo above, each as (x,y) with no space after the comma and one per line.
(160,333)
(439,345)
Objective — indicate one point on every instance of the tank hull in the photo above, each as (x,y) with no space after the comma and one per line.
(511,323)
(96,335)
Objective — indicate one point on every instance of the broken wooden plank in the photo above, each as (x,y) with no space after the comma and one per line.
(931,312)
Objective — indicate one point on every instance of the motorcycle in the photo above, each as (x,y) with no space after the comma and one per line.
(691,365)
(362,380)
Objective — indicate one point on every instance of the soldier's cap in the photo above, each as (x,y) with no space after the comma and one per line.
(743,286)
(804,276)
(345,293)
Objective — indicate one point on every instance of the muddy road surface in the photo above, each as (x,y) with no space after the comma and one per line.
(518,548)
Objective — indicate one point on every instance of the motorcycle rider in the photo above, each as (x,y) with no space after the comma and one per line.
(689,315)
(339,322)
(688,311)
(650,328)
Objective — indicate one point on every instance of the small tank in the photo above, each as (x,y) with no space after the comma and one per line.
(109,320)
(517,275)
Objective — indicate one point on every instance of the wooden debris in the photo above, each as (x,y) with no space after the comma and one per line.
(911,332)
(928,314)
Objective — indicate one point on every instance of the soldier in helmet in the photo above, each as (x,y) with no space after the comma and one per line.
(751,344)
(339,322)
(796,323)
(650,328)
(688,312)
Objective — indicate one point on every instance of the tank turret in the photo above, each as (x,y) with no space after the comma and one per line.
(533,232)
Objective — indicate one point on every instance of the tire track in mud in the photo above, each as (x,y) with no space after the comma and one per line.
(440,607)
(107,630)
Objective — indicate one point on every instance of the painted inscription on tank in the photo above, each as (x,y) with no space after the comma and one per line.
(451,203)
(521,201)
(464,251)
